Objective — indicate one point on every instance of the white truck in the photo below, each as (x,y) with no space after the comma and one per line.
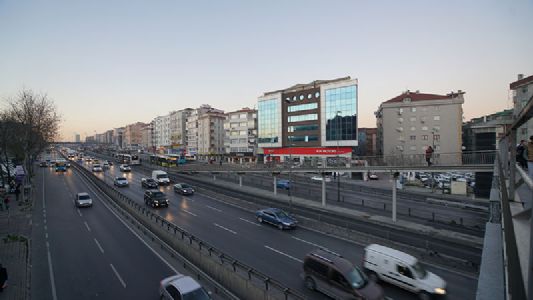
(161,177)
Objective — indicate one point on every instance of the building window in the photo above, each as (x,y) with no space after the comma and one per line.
(436,128)
(437,107)
(412,119)
(436,137)
(310,127)
(341,113)
(268,121)
(437,147)
(436,118)
(302,138)
(412,148)
(425,137)
(301,107)
(425,128)
(400,111)
(413,109)
(412,137)
(300,118)
(413,128)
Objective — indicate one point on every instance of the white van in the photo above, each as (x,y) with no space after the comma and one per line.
(161,177)
(403,270)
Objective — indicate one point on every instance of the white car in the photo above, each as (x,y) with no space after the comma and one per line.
(373,176)
(319,178)
(120,181)
(97,168)
(182,287)
(83,200)
(125,168)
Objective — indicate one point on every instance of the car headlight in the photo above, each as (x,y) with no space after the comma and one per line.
(440,291)
(185,191)
(286,224)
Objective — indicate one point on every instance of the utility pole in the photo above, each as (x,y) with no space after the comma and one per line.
(338,173)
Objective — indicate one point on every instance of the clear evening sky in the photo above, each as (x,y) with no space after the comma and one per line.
(107,64)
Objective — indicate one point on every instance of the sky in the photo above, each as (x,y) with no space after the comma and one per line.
(106,64)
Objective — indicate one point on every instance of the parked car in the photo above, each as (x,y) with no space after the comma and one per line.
(319,178)
(83,200)
(149,183)
(43,164)
(179,287)
(331,274)
(403,270)
(109,162)
(373,176)
(155,198)
(121,181)
(125,168)
(283,184)
(183,189)
(276,217)
(97,168)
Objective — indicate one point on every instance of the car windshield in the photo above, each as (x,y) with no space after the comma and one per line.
(121,179)
(198,294)
(357,278)
(159,195)
(281,214)
(161,176)
(84,197)
(185,186)
(419,271)
(125,166)
(96,166)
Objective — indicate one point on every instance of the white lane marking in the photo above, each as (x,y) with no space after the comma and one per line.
(118,276)
(284,254)
(46,235)
(214,208)
(51,271)
(45,228)
(126,225)
(99,246)
(190,213)
(87,225)
(44,203)
(222,227)
(248,221)
(44,221)
(310,243)
(79,212)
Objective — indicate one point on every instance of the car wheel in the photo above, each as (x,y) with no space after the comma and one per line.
(310,283)
(280,226)
(424,296)
(373,276)
(259,219)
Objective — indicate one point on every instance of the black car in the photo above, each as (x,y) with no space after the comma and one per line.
(183,189)
(149,183)
(155,198)
(43,164)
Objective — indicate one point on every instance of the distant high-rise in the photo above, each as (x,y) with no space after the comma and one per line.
(77,137)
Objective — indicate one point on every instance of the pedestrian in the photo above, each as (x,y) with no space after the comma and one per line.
(17,191)
(3,278)
(6,202)
(429,154)
(521,154)
(529,150)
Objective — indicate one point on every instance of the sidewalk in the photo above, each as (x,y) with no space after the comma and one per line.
(15,231)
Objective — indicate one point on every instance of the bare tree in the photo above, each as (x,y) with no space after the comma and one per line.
(37,126)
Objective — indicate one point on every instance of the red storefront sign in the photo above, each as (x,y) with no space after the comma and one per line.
(308,151)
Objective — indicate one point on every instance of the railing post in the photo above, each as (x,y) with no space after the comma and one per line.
(512,165)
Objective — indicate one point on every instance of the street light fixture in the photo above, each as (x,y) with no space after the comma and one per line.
(337,117)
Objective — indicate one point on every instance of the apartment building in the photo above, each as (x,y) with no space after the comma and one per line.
(211,134)
(522,90)
(118,136)
(240,139)
(367,142)
(133,135)
(146,137)
(161,132)
(408,123)
(309,122)
(192,128)
(483,133)
(178,130)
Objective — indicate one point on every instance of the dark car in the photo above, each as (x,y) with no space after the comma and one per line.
(337,277)
(149,183)
(276,217)
(283,184)
(43,164)
(155,198)
(183,189)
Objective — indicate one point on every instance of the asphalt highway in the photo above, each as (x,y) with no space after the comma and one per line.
(276,253)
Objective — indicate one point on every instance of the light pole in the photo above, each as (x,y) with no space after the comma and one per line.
(290,175)
(338,173)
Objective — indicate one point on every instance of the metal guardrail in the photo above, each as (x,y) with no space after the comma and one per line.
(270,285)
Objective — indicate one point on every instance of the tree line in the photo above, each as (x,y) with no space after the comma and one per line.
(29,123)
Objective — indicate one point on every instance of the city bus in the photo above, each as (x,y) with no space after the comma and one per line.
(180,158)
(162,160)
(130,159)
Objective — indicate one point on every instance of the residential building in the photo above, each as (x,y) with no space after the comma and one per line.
(89,139)
(146,137)
(162,133)
(367,142)
(109,137)
(522,95)
(483,133)
(309,122)
(192,125)
(118,137)
(178,130)
(133,135)
(211,134)
(240,139)
(408,123)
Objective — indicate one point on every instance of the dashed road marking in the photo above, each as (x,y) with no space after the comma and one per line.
(214,208)
(248,221)
(310,243)
(284,254)
(87,225)
(79,212)
(118,276)
(222,227)
(99,246)
(190,213)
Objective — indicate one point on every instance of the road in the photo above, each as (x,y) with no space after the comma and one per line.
(265,248)
(86,253)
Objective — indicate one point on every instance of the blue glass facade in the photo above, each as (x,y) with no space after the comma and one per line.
(341,113)
(268,118)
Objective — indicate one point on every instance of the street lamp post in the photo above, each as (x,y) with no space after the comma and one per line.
(338,173)
(290,175)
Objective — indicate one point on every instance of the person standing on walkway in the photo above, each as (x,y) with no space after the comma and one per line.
(429,154)
(521,154)
(3,278)
(529,150)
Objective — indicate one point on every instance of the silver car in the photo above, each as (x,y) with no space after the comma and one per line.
(182,287)
(120,181)
(83,200)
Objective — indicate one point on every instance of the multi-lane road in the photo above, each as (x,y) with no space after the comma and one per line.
(276,253)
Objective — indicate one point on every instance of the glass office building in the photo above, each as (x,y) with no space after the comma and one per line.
(268,117)
(341,113)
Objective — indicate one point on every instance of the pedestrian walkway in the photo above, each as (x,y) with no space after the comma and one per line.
(15,230)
